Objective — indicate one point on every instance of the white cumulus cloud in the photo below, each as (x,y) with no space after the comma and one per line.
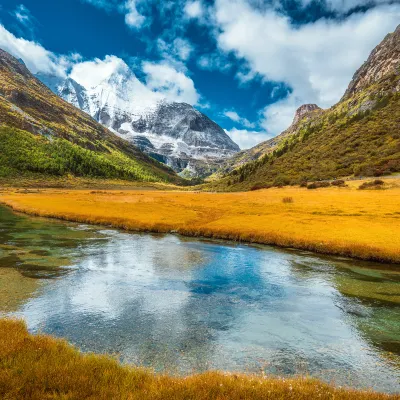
(179,48)
(35,56)
(132,17)
(246,139)
(235,117)
(174,84)
(91,73)
(161,81)
(194,9)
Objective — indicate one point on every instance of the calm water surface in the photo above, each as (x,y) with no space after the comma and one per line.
(185,305)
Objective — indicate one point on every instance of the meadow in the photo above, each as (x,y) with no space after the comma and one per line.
(39,367)
(344,221)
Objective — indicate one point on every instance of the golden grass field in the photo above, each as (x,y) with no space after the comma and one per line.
(43,368)
(344,221)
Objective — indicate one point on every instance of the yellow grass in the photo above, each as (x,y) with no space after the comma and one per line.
(41,367)
(346,221)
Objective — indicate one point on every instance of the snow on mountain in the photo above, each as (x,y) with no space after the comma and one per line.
(174,133)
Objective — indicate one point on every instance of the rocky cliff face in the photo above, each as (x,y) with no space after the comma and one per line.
(174,133)
(303,111)
(383,61)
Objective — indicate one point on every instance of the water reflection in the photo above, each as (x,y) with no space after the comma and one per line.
(182,305)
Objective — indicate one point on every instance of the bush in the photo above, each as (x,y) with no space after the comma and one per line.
(287,200)
(317,185)
(259,186)
(281,180)
(376,184)
(338,182)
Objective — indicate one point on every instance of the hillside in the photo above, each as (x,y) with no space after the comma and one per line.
(42,134)
(306,111)
(358,136)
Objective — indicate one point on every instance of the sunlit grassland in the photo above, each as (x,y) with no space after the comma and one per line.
(40,367)
(344,221)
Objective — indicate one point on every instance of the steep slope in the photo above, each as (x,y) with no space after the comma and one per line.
(173,133)
(41,133)
(358,136)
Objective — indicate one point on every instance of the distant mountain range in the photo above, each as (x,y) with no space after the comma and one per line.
(174,133)
(41,134)
(360,135)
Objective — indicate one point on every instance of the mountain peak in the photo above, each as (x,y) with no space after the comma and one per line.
(383,61)
(120,76)
(303,110)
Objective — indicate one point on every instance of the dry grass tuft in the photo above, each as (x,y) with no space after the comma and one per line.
(41,367)
(287,200)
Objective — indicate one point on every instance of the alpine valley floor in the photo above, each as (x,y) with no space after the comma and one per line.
(344,221)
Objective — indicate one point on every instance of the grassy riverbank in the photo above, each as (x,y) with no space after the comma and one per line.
(41,367)
(334,220)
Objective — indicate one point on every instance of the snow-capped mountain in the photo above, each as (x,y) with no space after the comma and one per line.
(174,133)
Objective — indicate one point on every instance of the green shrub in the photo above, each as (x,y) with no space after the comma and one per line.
(338,182)
(376,184)
(317,185)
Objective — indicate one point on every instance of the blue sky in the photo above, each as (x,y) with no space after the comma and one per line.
(247,64)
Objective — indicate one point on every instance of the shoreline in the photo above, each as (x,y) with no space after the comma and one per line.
(42,366)
(198,215)
(317,249)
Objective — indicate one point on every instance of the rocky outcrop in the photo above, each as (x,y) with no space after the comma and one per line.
(303,111)
(383,61)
